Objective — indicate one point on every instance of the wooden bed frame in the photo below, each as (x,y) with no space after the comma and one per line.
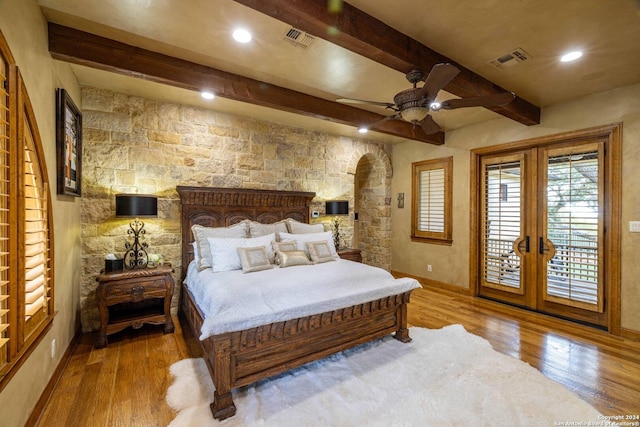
(239,358)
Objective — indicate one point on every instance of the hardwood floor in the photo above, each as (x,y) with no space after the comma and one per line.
(125,383)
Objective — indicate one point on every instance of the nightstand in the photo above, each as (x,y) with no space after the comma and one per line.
(133,298)
(350,254)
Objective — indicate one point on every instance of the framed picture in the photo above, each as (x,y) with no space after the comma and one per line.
(68,144)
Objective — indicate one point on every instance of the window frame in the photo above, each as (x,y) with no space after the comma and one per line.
(443,237)
(23,333)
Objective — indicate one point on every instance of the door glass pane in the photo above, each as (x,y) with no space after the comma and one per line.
(502,223)
(573,226)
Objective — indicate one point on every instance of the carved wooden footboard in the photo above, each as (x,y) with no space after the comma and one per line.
(239,358)
(243,357)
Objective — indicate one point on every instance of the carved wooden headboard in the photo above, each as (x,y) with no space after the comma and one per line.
(221,207)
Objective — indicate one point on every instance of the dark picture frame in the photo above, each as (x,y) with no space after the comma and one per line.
(68,145)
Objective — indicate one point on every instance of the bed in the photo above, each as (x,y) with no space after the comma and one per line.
(240,357)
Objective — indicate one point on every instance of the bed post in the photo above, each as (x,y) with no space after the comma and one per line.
(402,334)
(222,406)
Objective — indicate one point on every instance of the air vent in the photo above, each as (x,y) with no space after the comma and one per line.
(510,59)
(298,38)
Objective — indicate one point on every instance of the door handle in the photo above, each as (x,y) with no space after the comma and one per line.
(527,246)
(541,246)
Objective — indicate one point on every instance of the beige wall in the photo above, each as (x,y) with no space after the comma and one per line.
(451,263)
(135,144)
(25,29)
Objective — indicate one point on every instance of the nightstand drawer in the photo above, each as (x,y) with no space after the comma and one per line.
(138,291)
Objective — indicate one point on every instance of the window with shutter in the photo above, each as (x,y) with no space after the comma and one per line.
(431,201)
(26,259)
(4,211)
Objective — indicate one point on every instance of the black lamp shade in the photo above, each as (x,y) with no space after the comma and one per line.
(136,205)
(336,207)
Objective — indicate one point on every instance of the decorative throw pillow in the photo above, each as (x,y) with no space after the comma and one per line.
(320,252)
(302,239)
(224,251)
(254,259)
(257,229)
(297,227)
(200,235)
(289,245)
(291,258)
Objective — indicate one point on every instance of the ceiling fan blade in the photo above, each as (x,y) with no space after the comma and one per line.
(429,125)
(478,101)
(391,117)
(361,101)
(440,75)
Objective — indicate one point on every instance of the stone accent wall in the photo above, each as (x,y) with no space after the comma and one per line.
(131,144)
(372,183)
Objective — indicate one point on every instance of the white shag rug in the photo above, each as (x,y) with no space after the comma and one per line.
(444,377)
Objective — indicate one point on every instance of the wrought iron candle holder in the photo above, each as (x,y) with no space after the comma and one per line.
(336,207)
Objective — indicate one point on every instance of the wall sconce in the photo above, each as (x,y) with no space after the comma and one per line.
(336,207)
(136,206)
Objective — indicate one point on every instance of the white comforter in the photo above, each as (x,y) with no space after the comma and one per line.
(233,301)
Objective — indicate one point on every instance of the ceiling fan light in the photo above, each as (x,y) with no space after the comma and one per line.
(435,106)
(414,114)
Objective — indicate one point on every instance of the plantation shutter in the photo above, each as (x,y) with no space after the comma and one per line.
(502,223)
(431,201)
(4,212)
(431,211)
(36,238)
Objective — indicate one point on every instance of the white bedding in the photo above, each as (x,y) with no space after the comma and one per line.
(233,301)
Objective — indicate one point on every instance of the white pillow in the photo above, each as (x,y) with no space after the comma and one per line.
(224,251)
(297,227)
(302,239)
(200,235)
(257,229)
(254,259)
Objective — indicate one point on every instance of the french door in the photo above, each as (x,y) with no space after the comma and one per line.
(541,222)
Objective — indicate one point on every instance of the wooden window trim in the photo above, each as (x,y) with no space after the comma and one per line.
(24,334)
(444,237)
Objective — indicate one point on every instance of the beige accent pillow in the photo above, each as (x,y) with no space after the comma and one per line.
(201,234)
(320,252)
(289,245)
(254,259)
(297,227)
(257,229)
(291,258)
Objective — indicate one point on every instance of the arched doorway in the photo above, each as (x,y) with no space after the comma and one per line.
(372,207)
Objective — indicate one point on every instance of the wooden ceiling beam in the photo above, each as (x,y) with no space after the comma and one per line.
(365,35)
(78,47)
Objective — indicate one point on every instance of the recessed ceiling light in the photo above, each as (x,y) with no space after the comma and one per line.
(571,56)
(207,95)
(363,130)
(241,35)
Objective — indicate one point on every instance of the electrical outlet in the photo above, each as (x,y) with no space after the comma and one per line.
(53,348)
(429,269)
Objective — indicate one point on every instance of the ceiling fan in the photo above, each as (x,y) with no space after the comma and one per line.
(413,105)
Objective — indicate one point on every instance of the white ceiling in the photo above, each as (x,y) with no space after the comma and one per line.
(469,32)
